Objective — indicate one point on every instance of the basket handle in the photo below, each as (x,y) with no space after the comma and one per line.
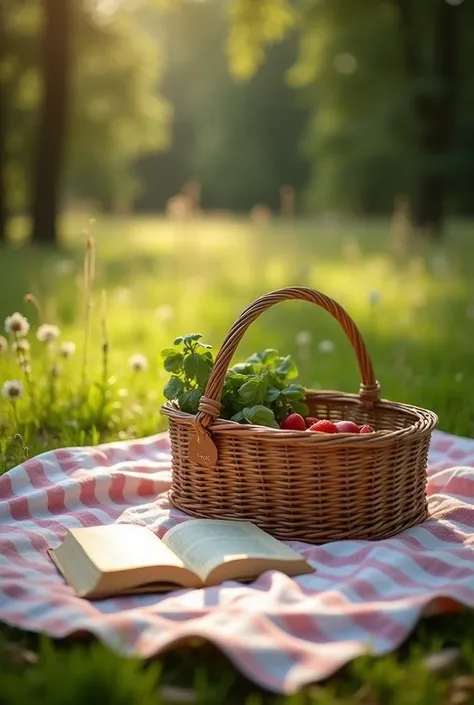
(210,406)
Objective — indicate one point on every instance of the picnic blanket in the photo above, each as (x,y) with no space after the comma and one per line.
(280,632)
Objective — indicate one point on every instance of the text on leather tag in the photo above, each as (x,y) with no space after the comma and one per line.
(203,451)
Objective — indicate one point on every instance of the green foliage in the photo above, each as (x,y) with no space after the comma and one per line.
(253,26)
(116,111)
(225,134)
(79,676)
(257,391)
(191,365)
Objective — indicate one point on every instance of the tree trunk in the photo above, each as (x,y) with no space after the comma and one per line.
(3,206)
(434,110)
(53,121)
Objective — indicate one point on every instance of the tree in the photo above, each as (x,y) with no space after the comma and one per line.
(239,139)
(385,81)
(50,144)
(435,102)
(117,113)
(3,206)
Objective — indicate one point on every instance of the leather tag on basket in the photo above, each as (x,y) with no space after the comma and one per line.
(202,451)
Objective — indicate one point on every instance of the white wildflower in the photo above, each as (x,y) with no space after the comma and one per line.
(164,313)
(12,389)
(3,345)
(122,393)
(17,325)
(21,346)
(374,298)
(303,338)
(138,362)
(48,333)
(326,346)
(68,348)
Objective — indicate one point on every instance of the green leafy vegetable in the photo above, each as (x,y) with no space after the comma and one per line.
(256,391)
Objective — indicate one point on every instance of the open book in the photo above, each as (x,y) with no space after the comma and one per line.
(118,559)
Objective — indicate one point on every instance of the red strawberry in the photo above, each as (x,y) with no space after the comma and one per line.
(324,426)
(293,422)
(366,429)
(310,420)
(347,427)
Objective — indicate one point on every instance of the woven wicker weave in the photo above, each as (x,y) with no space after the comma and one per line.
(306,486)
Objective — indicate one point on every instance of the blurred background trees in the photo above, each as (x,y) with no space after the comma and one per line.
(119,103)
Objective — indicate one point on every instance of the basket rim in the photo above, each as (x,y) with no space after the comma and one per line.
(425,422)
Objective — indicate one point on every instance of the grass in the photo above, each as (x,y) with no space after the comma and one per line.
(414,306)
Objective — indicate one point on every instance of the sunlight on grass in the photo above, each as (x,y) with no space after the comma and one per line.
(163,279)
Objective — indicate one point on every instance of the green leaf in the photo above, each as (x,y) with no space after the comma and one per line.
(166,352)
(248,392)
(235,380)
(272,395)
(173,388)
(255,358)
(287,368)
(189,401)
(294,392)
(191,337)
(205,345)
(178,340)
(254,391)
(239,416)
(174,362)
(191,364)
(261,416)
(269,355)
(299,407)
(243,368)
(203,371)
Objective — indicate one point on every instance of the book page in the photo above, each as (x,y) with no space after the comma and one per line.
(204,544)
(119,547)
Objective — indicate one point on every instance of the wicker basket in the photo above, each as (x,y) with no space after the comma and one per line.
(304,486)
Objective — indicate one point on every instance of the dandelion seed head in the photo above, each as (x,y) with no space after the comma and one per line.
(68,348)
(12,389)
(303,338)
(21,346)
(48,333)
(17,325)
(138,362)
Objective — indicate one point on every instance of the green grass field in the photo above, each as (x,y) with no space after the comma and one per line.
(414,306)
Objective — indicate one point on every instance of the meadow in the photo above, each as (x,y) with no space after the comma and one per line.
(149,280)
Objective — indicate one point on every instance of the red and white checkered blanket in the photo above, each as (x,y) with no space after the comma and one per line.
(280,632)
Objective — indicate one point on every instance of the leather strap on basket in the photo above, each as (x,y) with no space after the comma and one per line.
(209,406)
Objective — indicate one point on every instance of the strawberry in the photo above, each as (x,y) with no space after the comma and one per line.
(366,429)
(293,422)
(324,426)
(310,420)
(347,427)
